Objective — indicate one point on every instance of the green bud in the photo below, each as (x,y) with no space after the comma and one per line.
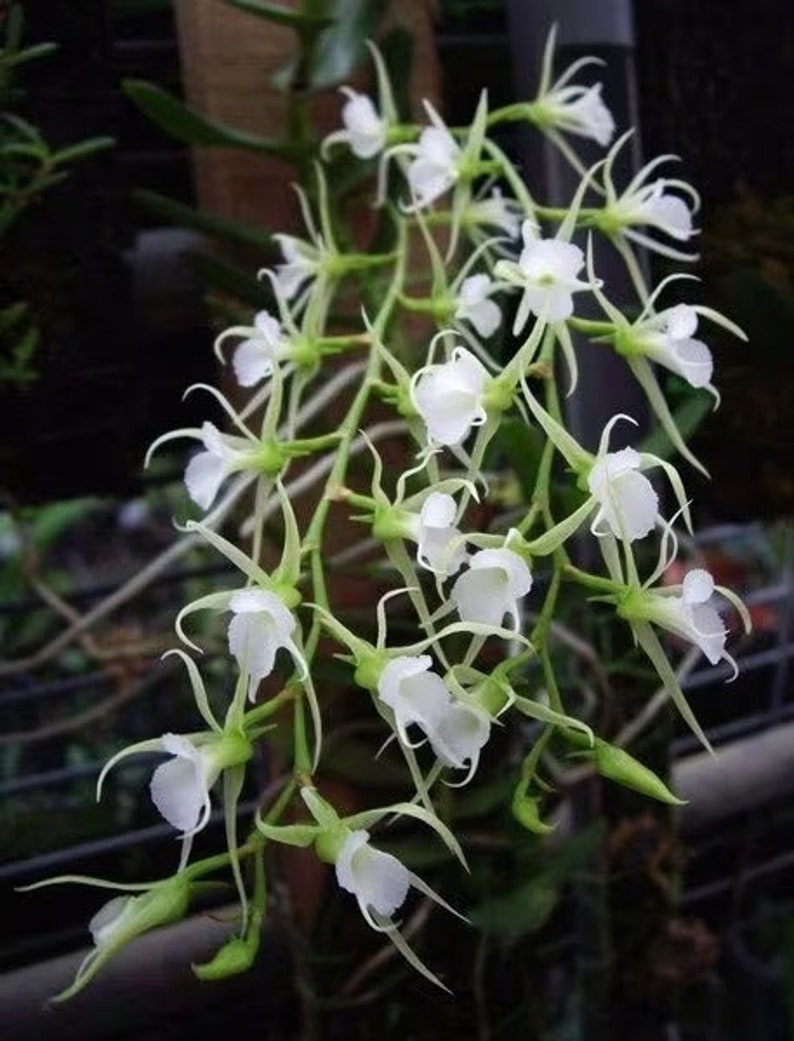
(526,810)
(617,765)
(236,956)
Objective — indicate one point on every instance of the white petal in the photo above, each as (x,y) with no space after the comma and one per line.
(461,735)
(672,215)
(378,880)
(179,791)
(697,587)
(708,631)
(438,510)
(680,321)
(481,596)
(204,475)
(518,575)
(252,361)
(693,361)
(108,918)
(416,695)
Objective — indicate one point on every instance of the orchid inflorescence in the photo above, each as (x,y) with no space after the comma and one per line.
(470,589)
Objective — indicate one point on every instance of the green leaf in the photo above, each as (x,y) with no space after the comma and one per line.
(340,48)
(193,129)
(207,223)
(83,149)
(522,911)
(39,50)
(300,21)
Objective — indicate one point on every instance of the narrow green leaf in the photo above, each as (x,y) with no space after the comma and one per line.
(298,20)
(193,129)
(83,149)
(207,223)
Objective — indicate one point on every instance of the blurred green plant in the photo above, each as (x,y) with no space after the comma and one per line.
(29,166)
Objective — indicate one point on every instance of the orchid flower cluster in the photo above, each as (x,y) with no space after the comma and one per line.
(490,259)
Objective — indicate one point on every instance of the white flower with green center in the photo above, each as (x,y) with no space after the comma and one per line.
(492,587)
(416,696)
(364,132)
(473,304)
(440,546)
(223,455)
(436,166)
(450,397)
(255,358)
(627,503)
(547,273)
(261,626)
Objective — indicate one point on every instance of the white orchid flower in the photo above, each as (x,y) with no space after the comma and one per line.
(668,339)
(627,503)
(450,397)
(563,106)
(692,616)
(223,455)
(440,545)
(364,132)
(255,358)
(261,626)
(473,304)
(377,880)
(460,735)
(491,588)
(302,262)
(437,163)
(580,111)
(494,211)
(665,204)
(415,695)
(180,787)
(547,273)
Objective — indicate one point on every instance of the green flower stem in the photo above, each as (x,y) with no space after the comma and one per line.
(595,582)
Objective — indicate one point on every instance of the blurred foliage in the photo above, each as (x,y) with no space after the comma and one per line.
(29,166)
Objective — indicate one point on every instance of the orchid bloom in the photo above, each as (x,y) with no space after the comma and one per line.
(493,211)
(450,397)
(567,107)
(377,880)
(223,455)
(437,162)
(688,612)
(439,542)
(627,503)
(665,204)
(180,787)
(546,271)
(668,339)
(302,262)
(473,304)
(415,695)
(365,131)
(255,358)
(261,626)
(491,588)
(460,736)
(456,730)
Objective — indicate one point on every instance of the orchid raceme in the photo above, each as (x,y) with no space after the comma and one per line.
(398,497)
